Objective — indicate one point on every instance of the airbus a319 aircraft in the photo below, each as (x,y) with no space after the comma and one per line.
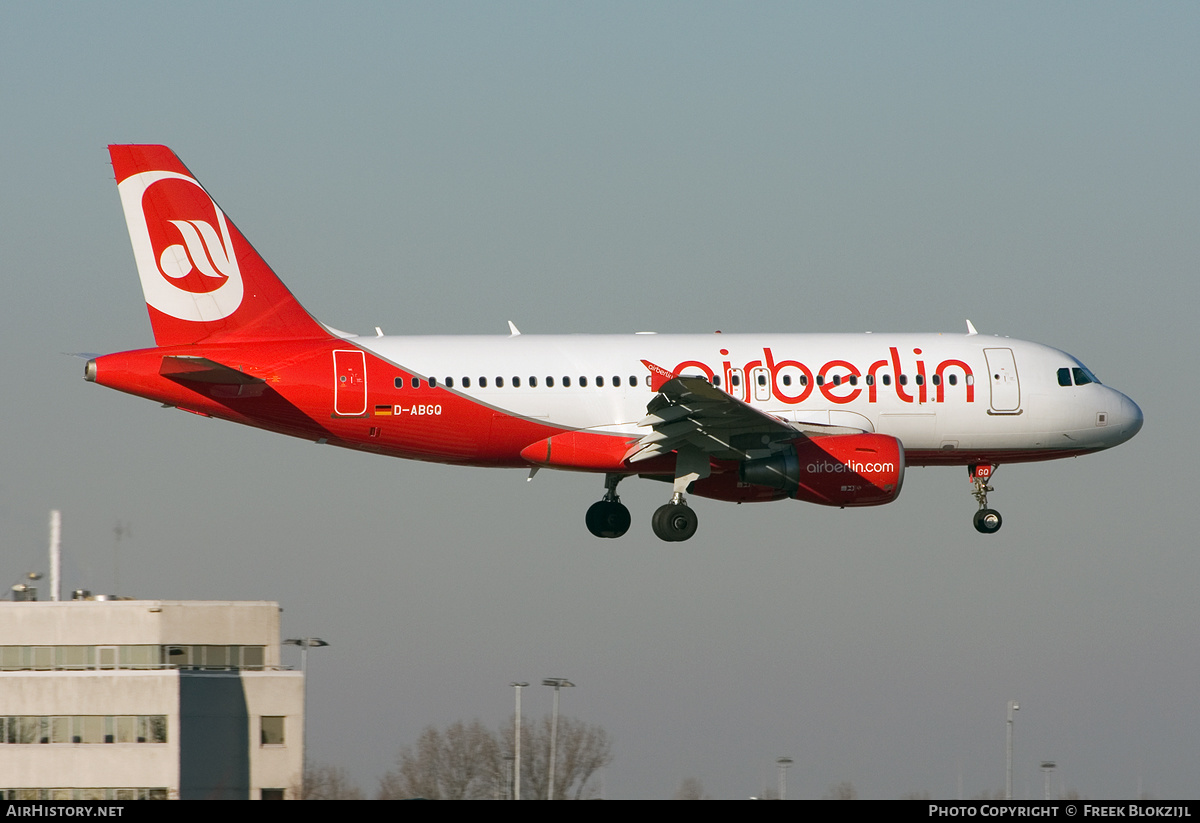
(832,419)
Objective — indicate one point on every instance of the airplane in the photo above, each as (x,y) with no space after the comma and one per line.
(831,419)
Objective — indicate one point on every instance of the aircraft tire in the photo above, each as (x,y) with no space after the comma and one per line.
(674,522)
(987,521)
(608,519)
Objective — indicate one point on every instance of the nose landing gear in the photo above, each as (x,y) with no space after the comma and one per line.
(986,521)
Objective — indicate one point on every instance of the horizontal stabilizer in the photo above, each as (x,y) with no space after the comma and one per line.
(203,370)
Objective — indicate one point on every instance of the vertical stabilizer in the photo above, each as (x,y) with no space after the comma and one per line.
(202,280)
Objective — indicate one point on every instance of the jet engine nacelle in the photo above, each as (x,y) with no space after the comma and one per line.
(835,470)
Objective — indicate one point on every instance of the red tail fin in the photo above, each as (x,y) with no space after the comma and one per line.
(202,280)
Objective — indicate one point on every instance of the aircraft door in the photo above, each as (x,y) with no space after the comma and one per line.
(735,385)
(760,378)
(350,382)
(1002,377)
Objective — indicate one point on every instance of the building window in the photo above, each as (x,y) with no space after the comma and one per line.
(271,794)
(83,728)
(272,730)
(85,794)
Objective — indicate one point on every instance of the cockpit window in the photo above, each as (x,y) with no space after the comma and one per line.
(1080,374)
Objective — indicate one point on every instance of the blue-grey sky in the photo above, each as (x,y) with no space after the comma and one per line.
(447,167)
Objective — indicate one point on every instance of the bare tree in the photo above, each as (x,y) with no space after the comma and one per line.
(460,763)
(468,762)
(841,791)
(581,752)
(325,782)
(691,789)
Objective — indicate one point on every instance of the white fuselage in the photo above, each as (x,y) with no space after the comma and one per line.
(945,396)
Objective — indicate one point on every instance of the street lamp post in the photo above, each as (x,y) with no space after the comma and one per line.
(516,785)
(783,763)
(556,683)
(1047,769)
(305,643)
(1012,707)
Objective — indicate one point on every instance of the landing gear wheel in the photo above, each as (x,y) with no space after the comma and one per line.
(608,518)
(674,522)
(987,521)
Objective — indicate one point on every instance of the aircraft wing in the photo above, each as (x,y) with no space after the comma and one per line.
(690,411)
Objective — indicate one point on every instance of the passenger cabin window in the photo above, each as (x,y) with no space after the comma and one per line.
(952,379)
(483,382)
(499,382)
(399,382)
(466,382)
(599,382)
(449,382)
(433,382)
(566,382)
(583,382)
(887,380)
(616,381)
(416,382)
(633,381)
(516,382)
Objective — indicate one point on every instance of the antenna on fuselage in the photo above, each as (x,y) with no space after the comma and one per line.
(515,332)
(970,328)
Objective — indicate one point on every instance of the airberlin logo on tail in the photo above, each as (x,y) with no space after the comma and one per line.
(182,245)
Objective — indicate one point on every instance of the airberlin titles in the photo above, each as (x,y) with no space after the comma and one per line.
(840,381)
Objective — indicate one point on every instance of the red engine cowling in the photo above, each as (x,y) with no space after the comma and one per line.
(835,470)
(726,486)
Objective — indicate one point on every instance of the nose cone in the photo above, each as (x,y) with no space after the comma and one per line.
(1125,420)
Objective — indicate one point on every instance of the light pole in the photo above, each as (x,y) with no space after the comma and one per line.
(783,763)
(1047,768)
(517,743)
(305,643)
(1012,707)
(556,683)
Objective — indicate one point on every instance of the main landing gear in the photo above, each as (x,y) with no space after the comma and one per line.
(987,521)
(674,522)
(609,517)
